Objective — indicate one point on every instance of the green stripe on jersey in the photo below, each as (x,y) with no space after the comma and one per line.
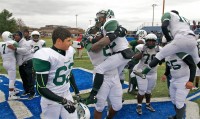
(181,55)
(41,65)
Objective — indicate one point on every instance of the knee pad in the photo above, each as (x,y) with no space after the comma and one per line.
(148,91)
(117,107)
(179,105)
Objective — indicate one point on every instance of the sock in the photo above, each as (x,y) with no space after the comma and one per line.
(122,82)
(98,81)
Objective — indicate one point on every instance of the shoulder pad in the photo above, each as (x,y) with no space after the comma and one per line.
(110,25)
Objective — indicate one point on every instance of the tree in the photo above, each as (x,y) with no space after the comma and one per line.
(21,25)
(7,23)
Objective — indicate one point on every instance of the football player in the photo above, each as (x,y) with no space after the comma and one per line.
(53,67)
(121,52)
(145,53)
(132,78)
(198,70)
(177,30)
(182,68)
(9,62)
(111,88)
(35,42)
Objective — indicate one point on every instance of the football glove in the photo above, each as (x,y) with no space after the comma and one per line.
(120,31)
(68,105)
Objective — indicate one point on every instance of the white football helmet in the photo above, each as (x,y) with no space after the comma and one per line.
(151,37)
(82,111)
(7,36)
(141,34)
(35,35)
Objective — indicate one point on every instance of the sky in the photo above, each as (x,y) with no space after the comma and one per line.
(130,13)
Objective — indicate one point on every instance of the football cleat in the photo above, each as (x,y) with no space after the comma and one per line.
(150,108)
(31,96)
(139,109)
(140,74)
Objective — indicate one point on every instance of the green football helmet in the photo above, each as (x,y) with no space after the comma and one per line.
(106,14)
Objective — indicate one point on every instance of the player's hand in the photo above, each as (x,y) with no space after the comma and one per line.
(163,78)
(11,47)
(189,85)
(120,31)
(68,105)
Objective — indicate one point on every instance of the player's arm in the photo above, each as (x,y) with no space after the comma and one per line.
(192,66)
(138,54)
(113,30)
(73,84)
(44,91)
(165,23)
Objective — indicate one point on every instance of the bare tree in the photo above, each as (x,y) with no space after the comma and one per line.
(20,23)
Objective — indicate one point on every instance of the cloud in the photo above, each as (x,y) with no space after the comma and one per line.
(130,13)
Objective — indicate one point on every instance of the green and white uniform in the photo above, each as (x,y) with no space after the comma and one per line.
(184,39)
(9,60)
(117,45)
(35,46)
(148,84)
(111,87)
(58,68)
(180,73)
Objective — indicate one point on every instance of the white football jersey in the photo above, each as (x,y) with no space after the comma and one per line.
(99,57)
(177,24)
(178,68)
(7,52)
(36,45)
(148,56)
(120,43)
(57,66)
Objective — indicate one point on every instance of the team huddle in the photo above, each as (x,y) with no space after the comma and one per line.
(110,52)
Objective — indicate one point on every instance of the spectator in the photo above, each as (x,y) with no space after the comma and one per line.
(24,60)
(80,50)
(26,35)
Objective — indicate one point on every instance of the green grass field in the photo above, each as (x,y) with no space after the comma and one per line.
(159,91)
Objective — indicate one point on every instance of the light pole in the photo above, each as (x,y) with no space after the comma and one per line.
(163,9)
(153,13)
(76,19)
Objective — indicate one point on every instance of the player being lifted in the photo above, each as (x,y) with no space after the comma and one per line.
(9,62)
(53,67)
(113,35)
(177,30)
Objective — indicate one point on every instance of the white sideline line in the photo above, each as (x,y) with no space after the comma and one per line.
(19,109)
(193,96)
